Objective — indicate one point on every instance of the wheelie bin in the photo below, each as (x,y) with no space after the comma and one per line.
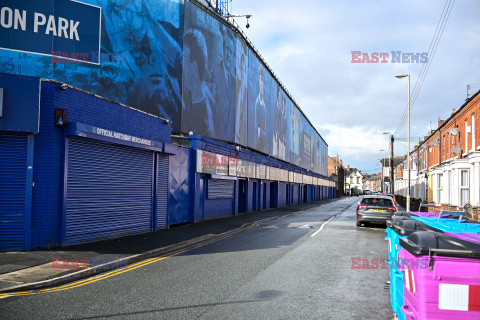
(397,228)
(441,277)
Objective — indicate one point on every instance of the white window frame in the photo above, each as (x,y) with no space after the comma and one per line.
(473,132)
(440,188)
(464,187)
(466,136)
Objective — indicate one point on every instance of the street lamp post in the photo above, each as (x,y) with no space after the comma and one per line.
(390,162)
(399,76)
(383,169)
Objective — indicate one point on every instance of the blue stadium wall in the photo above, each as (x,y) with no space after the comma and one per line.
(191,197)
(129,65)
(87,169)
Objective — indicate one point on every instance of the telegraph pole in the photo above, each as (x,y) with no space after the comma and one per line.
(392,184)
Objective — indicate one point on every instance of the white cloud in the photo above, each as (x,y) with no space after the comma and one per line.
(308,45)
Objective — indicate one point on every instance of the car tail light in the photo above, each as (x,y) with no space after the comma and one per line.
(362,206)
(392,208)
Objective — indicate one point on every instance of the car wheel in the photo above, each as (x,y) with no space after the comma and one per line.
(359,224)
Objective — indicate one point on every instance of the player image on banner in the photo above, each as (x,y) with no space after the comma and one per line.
(274,116)
(296,121)
(224,85)
(261,112)
(144,59)
(197,115)
(280,125)
(217,77)
(241,93)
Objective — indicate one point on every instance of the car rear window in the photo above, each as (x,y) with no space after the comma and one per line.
(377,202)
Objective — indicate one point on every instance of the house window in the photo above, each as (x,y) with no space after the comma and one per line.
(440,188)
(473,132)
(464,190)
(358,180)
(466,136)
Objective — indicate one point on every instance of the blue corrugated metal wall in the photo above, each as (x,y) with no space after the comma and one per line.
(295,193)
(250,195)
(282,194)
(267,195)
(179,187)
(162,194)
(109,191)
(13,192)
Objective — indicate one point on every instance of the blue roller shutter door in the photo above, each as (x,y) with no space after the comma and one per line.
(219,200)
(162,190)
(109,191)
(13,178)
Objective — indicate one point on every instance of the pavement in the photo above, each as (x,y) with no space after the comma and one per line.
(39,269)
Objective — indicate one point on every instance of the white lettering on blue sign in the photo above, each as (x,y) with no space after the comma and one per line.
(9,17)
(122,136)
(57,26)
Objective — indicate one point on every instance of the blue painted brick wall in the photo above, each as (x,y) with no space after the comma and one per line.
(50,149)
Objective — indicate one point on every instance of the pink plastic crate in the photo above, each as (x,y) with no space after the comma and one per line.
(450,291)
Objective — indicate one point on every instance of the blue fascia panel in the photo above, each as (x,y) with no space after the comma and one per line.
(92,132)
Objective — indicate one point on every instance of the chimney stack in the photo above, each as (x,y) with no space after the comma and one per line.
(453,111)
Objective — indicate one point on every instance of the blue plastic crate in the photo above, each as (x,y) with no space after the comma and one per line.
(396,276)
(450,225)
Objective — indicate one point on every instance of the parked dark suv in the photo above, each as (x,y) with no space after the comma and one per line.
(376,209)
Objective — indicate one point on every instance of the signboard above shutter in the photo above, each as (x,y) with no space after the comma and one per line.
(211,163)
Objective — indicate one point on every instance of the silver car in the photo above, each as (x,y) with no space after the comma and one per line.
(376,209)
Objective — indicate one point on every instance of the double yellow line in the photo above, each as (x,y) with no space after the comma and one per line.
(126,269)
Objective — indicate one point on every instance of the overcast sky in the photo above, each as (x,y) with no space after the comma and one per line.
(308,44)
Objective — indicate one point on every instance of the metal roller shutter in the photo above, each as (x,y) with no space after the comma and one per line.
(109,191)
(220,189)
(162,190)
(219,200)
(13,177)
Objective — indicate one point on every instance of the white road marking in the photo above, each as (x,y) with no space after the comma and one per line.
(321,227)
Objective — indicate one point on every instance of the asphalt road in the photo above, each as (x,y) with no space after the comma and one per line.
(296,267)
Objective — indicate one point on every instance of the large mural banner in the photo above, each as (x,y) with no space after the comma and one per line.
(169,58)
(209,73)
(127,51)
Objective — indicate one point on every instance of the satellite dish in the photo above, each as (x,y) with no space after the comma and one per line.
(435,143)
(453,131)
(456,150)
